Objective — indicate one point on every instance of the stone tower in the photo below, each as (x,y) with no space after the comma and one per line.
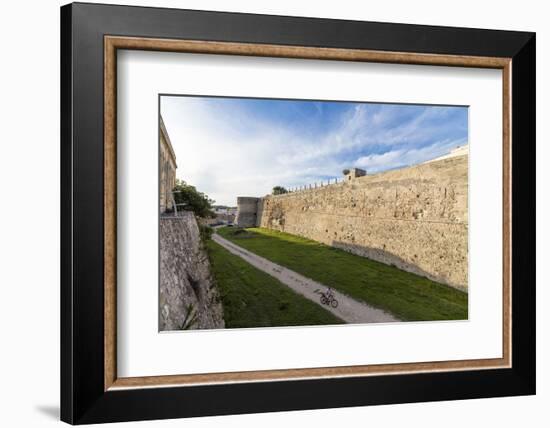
(247,211)
(354,173)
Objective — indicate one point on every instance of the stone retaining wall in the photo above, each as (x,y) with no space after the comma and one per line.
(415,218)
(188,294)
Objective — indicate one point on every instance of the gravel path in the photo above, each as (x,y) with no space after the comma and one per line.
(349,310)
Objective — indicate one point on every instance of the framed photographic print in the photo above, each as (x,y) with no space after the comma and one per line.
(266,213)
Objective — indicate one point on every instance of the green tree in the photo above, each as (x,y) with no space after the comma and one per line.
(188,198)
(279,190)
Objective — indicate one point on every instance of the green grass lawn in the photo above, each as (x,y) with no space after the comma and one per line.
(252,298)
(407,296)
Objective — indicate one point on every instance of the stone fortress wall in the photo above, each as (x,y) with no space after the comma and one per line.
(188,292)
(415,218)
(247,211)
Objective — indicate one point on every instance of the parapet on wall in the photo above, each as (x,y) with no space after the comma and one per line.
(415,218)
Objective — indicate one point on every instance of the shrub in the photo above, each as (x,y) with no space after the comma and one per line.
(189,198)
(279,190)
(205,232)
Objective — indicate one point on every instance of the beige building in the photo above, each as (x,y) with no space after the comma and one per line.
(167,169)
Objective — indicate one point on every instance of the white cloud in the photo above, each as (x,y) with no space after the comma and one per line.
(406,157)
(226,154)
(225,158)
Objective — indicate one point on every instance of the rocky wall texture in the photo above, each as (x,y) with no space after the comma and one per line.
(415,218)
(189,298)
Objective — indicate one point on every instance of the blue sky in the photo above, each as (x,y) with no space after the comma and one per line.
(229,147)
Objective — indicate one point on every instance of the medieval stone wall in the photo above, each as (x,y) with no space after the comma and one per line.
(415,218)
(247,211)
(189,297)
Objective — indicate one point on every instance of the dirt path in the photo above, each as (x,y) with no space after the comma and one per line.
(349,310)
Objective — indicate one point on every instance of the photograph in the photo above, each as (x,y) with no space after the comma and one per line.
(267,211)
(289,212)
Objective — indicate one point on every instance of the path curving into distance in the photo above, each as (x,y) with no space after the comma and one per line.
(349,310)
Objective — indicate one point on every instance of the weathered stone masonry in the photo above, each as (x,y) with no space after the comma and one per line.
(415,218)
(247,211)
(167,169)
(188,293)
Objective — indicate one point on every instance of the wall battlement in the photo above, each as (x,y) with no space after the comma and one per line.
(415,218)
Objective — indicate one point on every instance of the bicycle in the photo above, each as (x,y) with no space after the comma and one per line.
(328,299)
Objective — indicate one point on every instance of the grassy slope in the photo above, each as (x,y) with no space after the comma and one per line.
(252,298)
(408,296)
